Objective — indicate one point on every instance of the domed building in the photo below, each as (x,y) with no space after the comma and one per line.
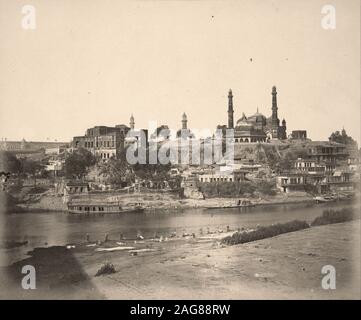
(249,130)
(257,128)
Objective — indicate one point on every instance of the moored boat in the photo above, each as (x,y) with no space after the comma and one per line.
(240,204)
(104,208)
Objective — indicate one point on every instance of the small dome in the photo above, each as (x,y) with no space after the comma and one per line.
(243,122)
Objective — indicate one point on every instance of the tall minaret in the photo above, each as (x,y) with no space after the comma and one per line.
(131,122)
(230,109)
(184,121)
(275,120)
(274,105)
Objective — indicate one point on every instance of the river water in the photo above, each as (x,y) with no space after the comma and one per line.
(48,229)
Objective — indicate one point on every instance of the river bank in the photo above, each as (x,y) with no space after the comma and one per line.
(150,201)
(287,266)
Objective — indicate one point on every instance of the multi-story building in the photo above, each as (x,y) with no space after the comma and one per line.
(313,167)
(234,176)
(108,142)
(102,141)
(330,152)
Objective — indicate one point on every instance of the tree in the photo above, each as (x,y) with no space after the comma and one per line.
(31,168)
(341,137)
(77,163)
(155,172)
(117,171)
(9,162)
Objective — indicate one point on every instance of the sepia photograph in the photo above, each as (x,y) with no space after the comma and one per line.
(180,150)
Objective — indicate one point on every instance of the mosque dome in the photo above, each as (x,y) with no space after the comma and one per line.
(258,117)
(243,123)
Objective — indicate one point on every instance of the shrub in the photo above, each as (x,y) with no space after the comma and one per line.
(107,268)
(265,232)
(38,190)
(227,189)
(266,187)
(334,216)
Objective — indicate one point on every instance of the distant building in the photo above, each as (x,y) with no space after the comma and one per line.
(313,167)
(102,141)
(24,146)
(299,135)
(184,132)
(257,128)
(235,176)
(329,152)
(341,181)
(291,182)
(54,165)
(108,142)
(55,150)
(76,187)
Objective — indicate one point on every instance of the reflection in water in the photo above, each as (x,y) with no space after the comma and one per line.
(52,228)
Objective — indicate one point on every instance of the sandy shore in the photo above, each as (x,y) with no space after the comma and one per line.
(284,267)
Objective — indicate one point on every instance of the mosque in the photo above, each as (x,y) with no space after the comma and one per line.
(257,128)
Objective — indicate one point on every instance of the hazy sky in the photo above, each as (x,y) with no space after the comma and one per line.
(94,62)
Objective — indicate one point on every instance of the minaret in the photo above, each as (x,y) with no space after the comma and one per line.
(230,109)
(274,104)
(284,129)
(184,121)
(275,120)
(131,122)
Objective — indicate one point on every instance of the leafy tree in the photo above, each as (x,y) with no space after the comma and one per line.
(77,163)
(341,137)
(266,187)
(117,171)
(9,162)
(30,167)
(154,172)
(227,189)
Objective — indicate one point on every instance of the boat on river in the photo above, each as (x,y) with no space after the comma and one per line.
(104,208)
(239,204)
